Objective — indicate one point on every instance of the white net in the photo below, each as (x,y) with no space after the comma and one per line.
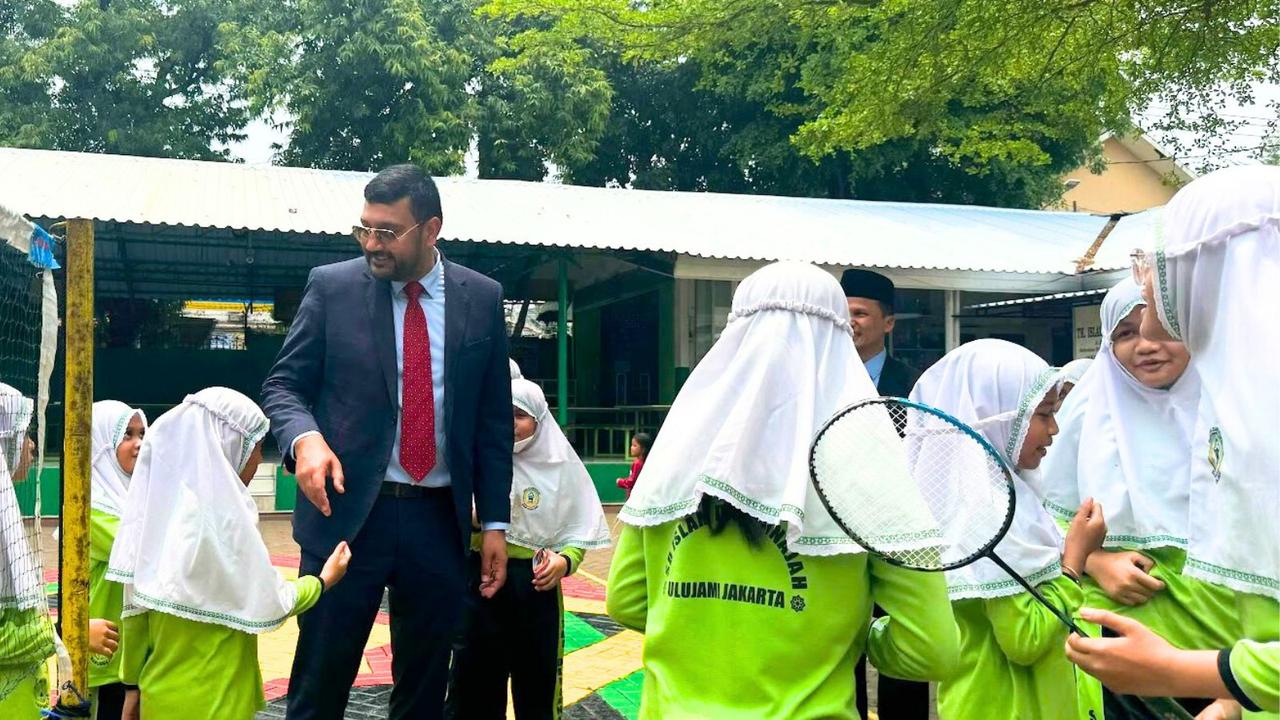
(26,631)
(913,486)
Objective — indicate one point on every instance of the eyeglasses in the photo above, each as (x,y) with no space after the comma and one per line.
(362,234)
(1140,265)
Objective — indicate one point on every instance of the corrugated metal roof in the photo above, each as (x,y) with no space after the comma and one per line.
(54,184)
(1038,299)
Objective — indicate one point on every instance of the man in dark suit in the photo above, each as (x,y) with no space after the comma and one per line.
(391,402)
(870,297)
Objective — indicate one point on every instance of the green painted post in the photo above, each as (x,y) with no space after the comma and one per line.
(562,345)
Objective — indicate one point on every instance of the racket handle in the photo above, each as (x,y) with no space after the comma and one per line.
(1161,708)
(1166,708)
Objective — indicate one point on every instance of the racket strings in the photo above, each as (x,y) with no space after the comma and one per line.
(910,485)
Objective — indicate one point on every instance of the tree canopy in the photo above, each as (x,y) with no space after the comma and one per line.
(922,100)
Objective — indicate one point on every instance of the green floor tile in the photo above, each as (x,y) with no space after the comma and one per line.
(624,695)
(578,634)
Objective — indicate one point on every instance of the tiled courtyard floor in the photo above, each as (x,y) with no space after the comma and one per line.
(602,678)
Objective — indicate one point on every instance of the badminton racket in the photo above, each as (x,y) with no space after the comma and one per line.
(924,491)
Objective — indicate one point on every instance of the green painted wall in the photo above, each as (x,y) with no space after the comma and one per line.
(50,493)
(286,490)
(605,476)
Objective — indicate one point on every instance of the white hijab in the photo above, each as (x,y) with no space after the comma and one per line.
(110,482)
(741,426)
(1125,445)
(1074,371)
(553,501)
(27,640)
(1216,277)
(515,369)
(994,387)
(188,543)
(21,582)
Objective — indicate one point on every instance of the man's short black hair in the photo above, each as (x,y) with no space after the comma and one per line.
(407,180)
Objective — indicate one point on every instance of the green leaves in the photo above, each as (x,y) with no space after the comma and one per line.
(948,100)
(136,78)
(1007,94)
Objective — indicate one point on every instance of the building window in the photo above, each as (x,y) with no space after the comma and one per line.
(712,301)
(920,327)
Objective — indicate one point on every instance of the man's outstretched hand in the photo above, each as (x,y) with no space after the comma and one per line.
(314,464)
(493,562)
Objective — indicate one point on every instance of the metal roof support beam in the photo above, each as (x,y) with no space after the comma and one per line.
(951,314)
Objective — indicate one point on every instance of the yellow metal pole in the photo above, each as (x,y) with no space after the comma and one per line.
(74,611)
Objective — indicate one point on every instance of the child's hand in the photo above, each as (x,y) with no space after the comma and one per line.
(132,709)
(1124,576)
(103,637)
(1222,710)
(335,568)
(1136,661)
(1084,537)
(547,574)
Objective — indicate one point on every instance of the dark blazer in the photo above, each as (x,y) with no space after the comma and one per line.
(897,378)
(336,373)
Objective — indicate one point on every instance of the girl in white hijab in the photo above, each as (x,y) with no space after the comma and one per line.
(1125,434)
(753,602)
(518,634)
(199,584)
(1072,373)
(117,432)
(26,633)
(1012,666)
(1213,282)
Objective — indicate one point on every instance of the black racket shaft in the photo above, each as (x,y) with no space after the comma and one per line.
(1162,708)
(1057,612)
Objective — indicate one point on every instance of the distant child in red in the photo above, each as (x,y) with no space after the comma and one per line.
(640,443)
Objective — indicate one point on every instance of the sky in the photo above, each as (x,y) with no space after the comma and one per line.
(255,149)
(261,134)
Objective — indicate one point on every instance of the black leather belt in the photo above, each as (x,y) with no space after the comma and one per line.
(405,490)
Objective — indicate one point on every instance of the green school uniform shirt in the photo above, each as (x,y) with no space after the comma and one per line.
(26,642)
(1189,613)
(1255,669)
(1013,666)
(27,699)
(736,631)
(188,670)
(1255,661)
(106,598)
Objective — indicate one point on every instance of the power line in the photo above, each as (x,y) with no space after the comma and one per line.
(1237,151)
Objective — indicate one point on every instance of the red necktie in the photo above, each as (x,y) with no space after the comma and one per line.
(418,402)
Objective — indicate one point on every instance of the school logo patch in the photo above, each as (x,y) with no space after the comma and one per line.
(530,498)
(1216,453)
